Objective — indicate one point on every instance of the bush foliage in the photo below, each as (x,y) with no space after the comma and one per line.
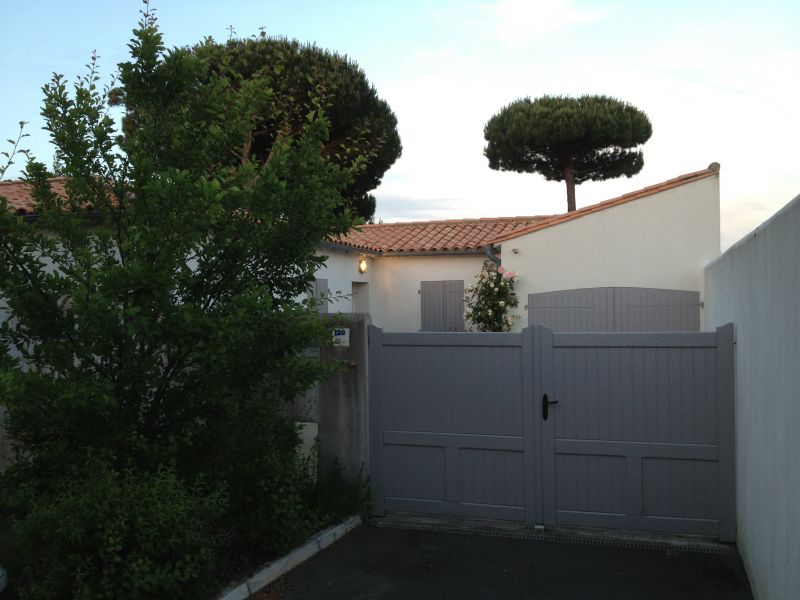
(490,299)
(155,332)
(100,533)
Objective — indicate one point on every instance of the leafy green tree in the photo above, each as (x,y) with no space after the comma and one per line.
(155,328)
(568,139)
(302,77)
(8,157)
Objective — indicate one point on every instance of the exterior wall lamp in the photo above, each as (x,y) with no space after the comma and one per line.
(362,265)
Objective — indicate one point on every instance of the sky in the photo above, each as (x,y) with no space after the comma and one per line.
(720,82)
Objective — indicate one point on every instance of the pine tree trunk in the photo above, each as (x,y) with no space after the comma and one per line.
(569,177)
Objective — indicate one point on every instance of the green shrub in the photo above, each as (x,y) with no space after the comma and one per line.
(335,497)
(489,301)
(257,459)
(160,335)
(100,533)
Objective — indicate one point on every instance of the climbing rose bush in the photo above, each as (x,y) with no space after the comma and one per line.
(489,301)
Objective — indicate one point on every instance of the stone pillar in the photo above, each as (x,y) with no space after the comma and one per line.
(342,407)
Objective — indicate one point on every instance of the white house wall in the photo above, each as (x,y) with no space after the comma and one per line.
(756,285)
(341,270)
(396,303)
(660,241)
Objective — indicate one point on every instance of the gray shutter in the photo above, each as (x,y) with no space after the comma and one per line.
(321,293)
(442,305)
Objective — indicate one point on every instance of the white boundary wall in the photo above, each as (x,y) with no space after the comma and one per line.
(664,240)
(756,285)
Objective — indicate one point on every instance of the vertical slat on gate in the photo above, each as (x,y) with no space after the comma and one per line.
(531,454)
(726,423)
(375,466)
(543,347)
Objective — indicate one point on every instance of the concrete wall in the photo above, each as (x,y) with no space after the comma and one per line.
(756,285)
(343,403)
(659,241)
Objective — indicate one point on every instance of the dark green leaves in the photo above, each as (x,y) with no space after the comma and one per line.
(153,325)
(304,79)
(596,137)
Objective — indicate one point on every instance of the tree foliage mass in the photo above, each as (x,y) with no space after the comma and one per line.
(154,331)
(588,138)
(301,78)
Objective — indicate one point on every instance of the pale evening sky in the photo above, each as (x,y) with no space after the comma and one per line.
(720,82)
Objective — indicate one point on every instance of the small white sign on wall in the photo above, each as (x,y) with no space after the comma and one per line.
(341,337)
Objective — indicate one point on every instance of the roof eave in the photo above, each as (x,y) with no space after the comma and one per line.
(377,253)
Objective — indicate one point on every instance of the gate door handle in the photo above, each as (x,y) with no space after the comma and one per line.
(546,402)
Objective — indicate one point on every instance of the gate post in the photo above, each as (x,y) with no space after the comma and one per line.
(342,410)
(375,427)
(726,435)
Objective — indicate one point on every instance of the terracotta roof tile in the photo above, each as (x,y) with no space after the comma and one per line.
(18,194)
(459,235)
(434,236)
(474,234)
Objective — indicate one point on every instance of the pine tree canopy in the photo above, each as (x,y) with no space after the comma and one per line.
(579,139)
(362,124)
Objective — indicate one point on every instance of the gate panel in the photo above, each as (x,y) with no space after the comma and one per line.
(637,431)
(616,309)
(448,412)
(641,435)
(648,309)
(585,309)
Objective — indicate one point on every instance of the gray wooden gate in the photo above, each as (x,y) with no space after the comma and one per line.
(616,430)
(616,309)
(448,424)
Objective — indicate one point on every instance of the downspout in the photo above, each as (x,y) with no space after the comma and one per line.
(491,254)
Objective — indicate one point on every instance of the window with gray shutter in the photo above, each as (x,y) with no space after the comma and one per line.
(321,293)
(442,304)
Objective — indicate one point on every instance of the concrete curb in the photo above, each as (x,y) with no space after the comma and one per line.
(278,568)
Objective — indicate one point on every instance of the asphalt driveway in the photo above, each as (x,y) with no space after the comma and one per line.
(385,563)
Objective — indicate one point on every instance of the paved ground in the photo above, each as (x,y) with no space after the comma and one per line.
(378,563)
